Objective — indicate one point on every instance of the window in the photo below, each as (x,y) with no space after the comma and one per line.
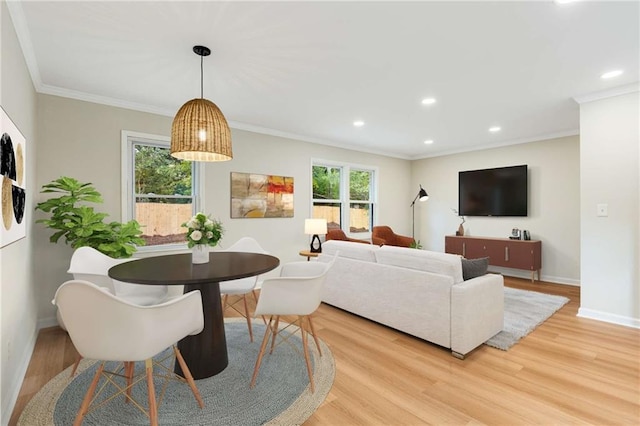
(159,191)
(344,195)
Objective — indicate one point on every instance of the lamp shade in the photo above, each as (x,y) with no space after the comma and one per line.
(315,226)
(422,194)
(200,133)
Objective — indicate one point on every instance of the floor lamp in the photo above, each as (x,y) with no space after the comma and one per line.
(423,196)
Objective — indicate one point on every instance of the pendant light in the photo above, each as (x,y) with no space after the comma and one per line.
(199,131)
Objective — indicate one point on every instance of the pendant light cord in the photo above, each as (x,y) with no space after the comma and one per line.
(201,77)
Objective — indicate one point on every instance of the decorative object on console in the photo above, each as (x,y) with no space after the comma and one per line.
(202,232)
(460,231)
(515,234)
(423,196)
(315,227)
(200,131)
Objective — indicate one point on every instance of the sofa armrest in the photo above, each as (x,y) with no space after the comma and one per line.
(477,312)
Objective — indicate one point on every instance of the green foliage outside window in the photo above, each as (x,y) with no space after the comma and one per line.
(326,183)
(157,172)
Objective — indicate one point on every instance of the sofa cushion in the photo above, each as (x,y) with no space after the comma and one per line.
(472,268)
(351,250)
(422,260)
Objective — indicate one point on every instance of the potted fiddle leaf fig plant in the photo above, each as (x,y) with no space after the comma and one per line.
(81,225)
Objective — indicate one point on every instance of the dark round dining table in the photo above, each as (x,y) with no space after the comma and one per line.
(205,353)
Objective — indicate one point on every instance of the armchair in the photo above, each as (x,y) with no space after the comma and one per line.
(338,234)
(383,235)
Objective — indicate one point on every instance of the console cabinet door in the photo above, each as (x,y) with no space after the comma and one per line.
(475,248)
(523,255)
(454,245)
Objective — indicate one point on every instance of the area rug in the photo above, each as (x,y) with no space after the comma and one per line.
(523,312)
(281,396)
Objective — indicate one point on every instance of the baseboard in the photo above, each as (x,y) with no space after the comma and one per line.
(47,322)
(610,318)
(527,276)
(9,401)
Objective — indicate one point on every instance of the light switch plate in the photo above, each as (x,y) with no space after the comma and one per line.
(602,210)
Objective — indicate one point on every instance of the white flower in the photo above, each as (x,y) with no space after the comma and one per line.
(196,235)
(209,234)
(193,223)
(208,224)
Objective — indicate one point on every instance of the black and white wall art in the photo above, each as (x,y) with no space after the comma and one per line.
(13,156)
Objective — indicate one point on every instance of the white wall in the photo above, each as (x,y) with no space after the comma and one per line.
(83,140)
(554,202)
(18,291)
(609,162)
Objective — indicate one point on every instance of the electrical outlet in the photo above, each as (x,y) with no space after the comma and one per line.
(602,210)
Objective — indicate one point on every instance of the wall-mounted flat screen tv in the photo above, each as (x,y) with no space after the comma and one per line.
(493,192)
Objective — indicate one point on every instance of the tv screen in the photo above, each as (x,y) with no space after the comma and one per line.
(493,192)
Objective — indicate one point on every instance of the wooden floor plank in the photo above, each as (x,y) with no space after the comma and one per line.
(570,370)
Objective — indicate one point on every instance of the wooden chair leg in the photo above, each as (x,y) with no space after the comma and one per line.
(75,365)
(248,316)
(84,407)
(263,346)
(188,376)
(306,356)
(275,333)
(129,368)
(153,409)
(313,333)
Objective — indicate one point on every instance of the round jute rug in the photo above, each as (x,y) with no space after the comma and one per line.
(282,395)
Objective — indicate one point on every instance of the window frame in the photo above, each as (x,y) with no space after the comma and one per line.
(345,200)
(128,140)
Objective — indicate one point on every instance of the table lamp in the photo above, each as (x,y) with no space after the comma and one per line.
(315,227)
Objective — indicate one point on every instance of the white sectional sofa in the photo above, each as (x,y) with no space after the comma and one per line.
(419,292)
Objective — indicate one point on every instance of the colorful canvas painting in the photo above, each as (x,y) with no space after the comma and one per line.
(13,173)
(258,196)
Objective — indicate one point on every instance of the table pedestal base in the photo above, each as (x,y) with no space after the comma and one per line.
(206,353)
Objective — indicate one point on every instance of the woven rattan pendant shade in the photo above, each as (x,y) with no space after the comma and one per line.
(200,133)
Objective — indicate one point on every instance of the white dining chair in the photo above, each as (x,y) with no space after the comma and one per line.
(105,327)
(243,286)
(92,265)
(297,292)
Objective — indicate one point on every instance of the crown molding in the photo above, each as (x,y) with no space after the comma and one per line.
(609,93)
(572,132)
(22,32)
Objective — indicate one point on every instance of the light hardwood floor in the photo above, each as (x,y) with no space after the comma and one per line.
(569,370)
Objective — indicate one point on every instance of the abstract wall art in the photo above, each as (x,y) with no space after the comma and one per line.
(13,157)
(258,196)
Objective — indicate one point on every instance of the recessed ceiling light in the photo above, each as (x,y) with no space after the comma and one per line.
(611,74)
(428,142)
(358,123)
(428,101)
(494,129)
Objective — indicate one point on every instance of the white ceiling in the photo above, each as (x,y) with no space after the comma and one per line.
(309,69)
